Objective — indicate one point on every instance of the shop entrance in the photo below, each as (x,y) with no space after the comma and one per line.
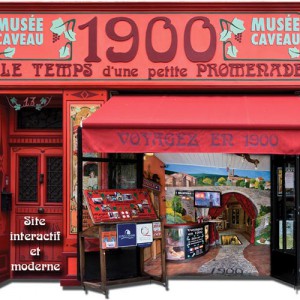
(37,186)
(232,133)
(285,218)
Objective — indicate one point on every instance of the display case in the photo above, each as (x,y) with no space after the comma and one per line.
(125,222)
(185,241)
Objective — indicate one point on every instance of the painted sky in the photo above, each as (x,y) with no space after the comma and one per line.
(217,171)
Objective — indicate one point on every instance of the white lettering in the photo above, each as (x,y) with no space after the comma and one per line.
(35,267)
(258,24)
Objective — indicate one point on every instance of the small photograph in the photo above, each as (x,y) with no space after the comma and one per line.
(127,197)
(134,213)
(97,200)
(140,208)
(113,215)
(105,207)
(145,204)
(119,197)
(111,198)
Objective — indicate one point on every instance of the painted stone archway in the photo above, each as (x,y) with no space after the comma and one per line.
(246,204)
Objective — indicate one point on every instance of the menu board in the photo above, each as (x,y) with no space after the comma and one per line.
(119,205)
(194,242)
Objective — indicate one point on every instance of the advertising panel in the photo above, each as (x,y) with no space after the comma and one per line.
(193,47)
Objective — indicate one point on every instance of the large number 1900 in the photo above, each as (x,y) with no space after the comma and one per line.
(263,140)
(153,55)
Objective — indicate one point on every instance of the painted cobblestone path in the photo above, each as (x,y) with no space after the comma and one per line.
(230,260)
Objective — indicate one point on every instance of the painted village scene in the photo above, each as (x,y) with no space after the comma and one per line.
(239,240)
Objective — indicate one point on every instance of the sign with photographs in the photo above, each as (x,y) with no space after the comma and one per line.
(119,205)
(126,234)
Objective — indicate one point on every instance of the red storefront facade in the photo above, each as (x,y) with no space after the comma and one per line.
(235,71)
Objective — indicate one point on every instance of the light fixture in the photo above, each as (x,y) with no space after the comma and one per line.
(148,154)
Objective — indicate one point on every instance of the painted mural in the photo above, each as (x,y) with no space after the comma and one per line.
(236,201)
(253,184)
(78,113)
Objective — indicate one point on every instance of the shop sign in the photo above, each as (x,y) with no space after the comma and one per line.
(144,234)
(194,242)
(150,48)
(198,140)
(151,185)
(126,235)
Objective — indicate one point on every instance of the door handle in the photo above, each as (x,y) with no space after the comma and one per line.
(41,178)
(41,210)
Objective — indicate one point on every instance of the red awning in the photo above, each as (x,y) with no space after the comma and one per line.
(228,124)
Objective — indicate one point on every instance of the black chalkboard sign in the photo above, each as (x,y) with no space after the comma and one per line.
(194,241)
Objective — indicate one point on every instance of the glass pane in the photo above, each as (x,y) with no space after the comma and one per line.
(54,179)
(124,156)
(233,217)
(47,118)
(290,234)
(237,216)
(286,207)
(289,181)
(28,179)
(125,176)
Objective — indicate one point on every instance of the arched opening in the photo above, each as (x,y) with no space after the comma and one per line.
(238,213)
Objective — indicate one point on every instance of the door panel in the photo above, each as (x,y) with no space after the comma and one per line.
(5,214)
(28,185)
(38,194)
(285,198)
(53,180)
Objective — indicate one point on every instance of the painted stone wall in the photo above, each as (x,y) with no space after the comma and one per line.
(260,199)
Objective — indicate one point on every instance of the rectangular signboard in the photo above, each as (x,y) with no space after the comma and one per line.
(144,233)
(150,48)
(126,235)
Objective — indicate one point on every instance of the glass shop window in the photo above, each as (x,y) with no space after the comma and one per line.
(46,118)
(122,171)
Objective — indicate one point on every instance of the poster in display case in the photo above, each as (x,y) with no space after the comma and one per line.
(289,181)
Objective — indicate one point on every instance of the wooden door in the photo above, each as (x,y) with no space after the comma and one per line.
(38,190)
(4,205)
